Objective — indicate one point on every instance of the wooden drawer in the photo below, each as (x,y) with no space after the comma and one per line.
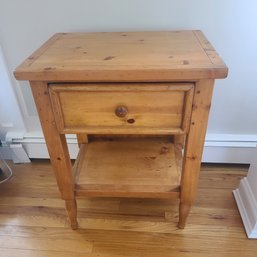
(129,108)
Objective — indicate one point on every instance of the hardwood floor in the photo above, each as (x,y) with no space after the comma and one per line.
(33,220)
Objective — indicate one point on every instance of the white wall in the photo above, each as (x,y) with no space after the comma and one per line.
(230,25)
(10,115)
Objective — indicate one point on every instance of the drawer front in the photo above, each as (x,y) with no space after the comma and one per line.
(152,108)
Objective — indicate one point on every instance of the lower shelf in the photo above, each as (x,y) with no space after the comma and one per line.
(146,167)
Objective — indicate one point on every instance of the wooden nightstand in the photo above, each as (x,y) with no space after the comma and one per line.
(135,100)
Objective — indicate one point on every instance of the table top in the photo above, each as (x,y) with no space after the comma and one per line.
(124,56)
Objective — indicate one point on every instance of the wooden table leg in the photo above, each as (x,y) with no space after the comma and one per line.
(57,148)
(179,141)
(82,139)
(194,147)
(71,208)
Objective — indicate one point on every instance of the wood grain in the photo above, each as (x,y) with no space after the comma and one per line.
(82,139)
(155,107)
(194,147)
(64,73)
(57,148)
(128,168)
(35,225)
(129,56)
(56,143)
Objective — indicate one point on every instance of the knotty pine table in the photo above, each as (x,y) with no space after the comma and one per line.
(135,100)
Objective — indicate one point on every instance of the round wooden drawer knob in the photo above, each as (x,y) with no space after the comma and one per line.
(121,111)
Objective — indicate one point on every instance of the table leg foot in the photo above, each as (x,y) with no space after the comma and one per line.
(74,226)
(184,210)
(71,208)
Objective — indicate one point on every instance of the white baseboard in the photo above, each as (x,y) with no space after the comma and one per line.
(229,148)
(14,152)
(227,154)
(219,148)
(247,206)
(35,146)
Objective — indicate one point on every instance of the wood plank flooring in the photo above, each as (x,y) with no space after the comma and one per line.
(33,221)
